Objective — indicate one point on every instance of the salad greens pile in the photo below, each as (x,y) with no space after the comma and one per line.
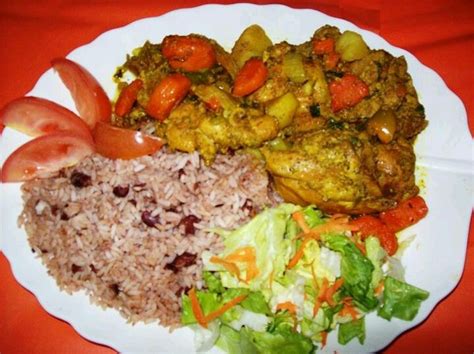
(282,284)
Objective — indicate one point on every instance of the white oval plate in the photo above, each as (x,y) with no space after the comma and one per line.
(435,259)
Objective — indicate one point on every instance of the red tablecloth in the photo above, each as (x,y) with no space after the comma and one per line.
(439,33)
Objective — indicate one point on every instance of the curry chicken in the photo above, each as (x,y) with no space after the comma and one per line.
(333,120)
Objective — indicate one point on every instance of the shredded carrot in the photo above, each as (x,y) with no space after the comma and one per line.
(243,254)
(248,256)
(316,307)
(348,308)
(379,289)
(332,290)
(231,267)
(291,308)
(324,338)
(360,246)
(298,255)
(196,307)
(337,223)
(322,290)
(298,216)
(287,305)
(227,306)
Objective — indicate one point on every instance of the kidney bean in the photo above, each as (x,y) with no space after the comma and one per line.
(184,260)
(188,222)
(149,219)
(80,180)
(121,191)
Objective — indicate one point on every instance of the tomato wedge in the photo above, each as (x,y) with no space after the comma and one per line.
(35,116)
(126,144)
(43,156)
(89,97)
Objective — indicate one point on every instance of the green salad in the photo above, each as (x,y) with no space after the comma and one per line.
(288,278)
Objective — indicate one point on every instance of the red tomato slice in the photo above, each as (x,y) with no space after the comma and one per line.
(89,97)
(35,116)
(43,156)
(406,213)
(126,144)
(368,225)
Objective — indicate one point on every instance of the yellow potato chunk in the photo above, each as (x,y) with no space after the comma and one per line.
(351,46)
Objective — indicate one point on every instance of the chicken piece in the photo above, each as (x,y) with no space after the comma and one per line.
(191,127)
(341,171)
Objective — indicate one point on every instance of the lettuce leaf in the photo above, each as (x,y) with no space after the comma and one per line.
(266,233)
(401,300)
(356,270)
(229,340)
(349,330)
(377,255)
(209,302)
(283,340)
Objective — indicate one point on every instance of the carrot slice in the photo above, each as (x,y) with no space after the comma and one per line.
(189,53)
(167,95)
(196,307)
(323,46)
(227,306)
(127,97)
(250,78)
(331,60)
(347,91)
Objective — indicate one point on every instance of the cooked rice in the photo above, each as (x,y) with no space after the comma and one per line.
(94,239)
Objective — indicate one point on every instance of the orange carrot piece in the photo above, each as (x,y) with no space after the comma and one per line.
(324,338)
(323,46)
(250,78)
(167,95)
(316,307)
(127,97)
(189,53)
(331,60)
(227,306)
(298,216)
(287,305)
(379,289)
(196,307)
(247,255)
(298,255)
(348,308)
(332,290)
(322,290)
(231,267)
(291,308)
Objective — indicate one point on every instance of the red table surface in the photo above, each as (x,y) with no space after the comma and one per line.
(439,33)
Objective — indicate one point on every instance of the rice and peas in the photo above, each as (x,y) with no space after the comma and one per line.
(131,232)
